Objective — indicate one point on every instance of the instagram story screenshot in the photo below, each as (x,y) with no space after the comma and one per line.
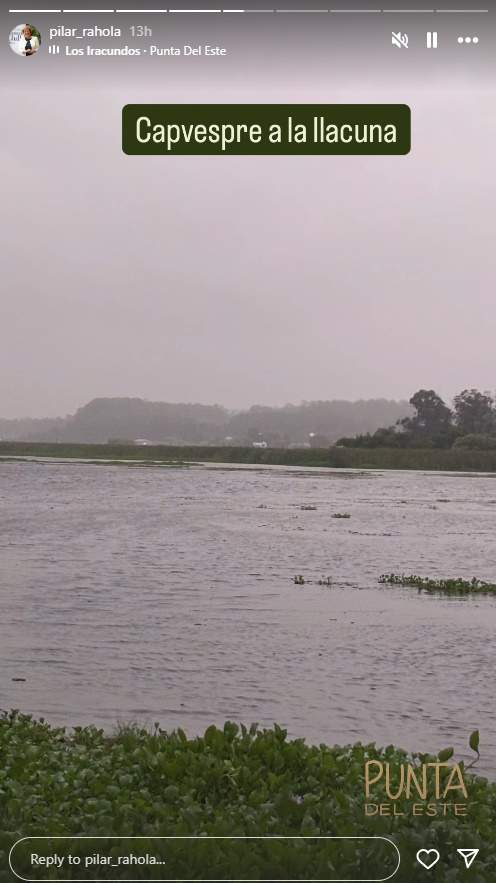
(248,441)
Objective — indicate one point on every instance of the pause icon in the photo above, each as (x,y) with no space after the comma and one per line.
(432,41)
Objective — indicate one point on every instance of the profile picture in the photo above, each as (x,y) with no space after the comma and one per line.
(25,40)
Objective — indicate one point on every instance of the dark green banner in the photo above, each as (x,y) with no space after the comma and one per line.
(266,129)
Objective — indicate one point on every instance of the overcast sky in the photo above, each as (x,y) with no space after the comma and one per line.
(241,280)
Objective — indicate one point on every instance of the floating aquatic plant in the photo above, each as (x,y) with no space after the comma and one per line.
(300,580)
(448,586)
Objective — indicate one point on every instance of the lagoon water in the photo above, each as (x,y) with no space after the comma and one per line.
(167,594)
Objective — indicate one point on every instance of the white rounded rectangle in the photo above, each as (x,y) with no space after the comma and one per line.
(51,860)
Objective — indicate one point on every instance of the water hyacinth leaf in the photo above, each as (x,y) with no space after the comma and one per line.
(474,741)
(446,754)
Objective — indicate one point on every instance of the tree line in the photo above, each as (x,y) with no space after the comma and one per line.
(315,424)
(470,423)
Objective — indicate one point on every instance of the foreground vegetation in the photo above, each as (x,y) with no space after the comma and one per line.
(443,586)
(228,782)
(454,460)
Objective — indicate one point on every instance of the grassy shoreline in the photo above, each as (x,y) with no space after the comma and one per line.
(230,781)
(338,458)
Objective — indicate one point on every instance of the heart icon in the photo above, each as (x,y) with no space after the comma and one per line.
(428,858)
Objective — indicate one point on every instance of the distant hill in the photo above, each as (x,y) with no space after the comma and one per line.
(127,419)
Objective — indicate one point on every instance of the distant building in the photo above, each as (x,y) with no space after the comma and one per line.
(142,442)
(260,444)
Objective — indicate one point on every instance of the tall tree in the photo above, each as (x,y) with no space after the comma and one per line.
(474,412)
(432,416)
